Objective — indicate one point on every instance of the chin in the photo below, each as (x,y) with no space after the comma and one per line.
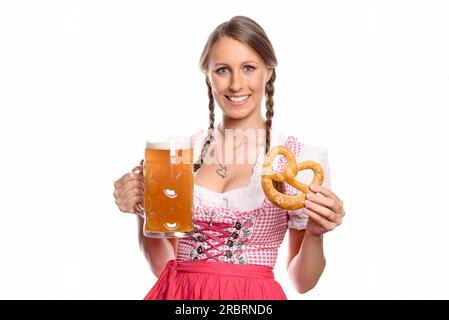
(236,113)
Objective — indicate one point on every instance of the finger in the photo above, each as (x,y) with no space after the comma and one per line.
(130,203)
(324,191)
(132,190)
(139,210)
(328,193)
(132,184)
(323,222)
(129,177)
(323,211)
(324,201)
(122,190)
(127,208)
(138,170)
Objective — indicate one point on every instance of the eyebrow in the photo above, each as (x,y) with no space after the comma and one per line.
(246,62)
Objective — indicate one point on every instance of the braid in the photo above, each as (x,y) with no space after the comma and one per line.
(269,93)
(209,138)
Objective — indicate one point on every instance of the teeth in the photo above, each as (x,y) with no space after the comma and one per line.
(238,99)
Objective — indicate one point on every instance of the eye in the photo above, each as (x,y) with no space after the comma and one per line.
(221,70)
(249,68)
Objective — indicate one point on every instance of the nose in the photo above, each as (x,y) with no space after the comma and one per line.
(236,83)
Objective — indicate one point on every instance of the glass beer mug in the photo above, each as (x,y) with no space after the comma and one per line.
(168,187)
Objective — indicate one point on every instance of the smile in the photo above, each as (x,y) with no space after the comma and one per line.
(237,100)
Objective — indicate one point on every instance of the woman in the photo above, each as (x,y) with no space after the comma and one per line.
(233,249)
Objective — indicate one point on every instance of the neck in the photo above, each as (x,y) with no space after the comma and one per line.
(227,146)
(254,121)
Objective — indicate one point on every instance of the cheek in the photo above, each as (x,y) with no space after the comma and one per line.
(219,85)
(257,85)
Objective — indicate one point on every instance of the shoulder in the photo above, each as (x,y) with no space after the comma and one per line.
(302,149)
(196,141)
(197,135)
(313,152)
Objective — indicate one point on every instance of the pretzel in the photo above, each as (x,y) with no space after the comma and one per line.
(288,175)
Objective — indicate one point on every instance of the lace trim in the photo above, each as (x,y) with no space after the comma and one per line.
(255,175)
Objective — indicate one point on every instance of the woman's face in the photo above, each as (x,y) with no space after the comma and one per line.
(237,76)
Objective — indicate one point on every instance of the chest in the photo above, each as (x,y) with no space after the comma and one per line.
(237,176)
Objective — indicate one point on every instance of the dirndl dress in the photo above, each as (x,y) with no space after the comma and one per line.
(232,251)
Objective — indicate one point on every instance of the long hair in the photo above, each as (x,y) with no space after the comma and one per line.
(248,32)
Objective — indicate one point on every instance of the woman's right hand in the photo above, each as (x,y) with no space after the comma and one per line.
(129,191)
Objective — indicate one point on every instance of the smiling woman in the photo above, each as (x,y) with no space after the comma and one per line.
(237,231)
(236,83)
(236,74)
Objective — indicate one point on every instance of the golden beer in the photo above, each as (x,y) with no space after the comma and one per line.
(168,186)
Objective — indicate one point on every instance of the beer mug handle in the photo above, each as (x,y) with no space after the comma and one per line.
(138,208)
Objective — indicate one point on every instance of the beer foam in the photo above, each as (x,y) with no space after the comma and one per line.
(165,145)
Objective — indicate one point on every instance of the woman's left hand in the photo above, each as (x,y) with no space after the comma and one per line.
(325,210)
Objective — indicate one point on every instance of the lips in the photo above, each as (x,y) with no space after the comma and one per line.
(237,100)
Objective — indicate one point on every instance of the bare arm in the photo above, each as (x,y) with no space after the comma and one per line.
(306,259)
(325,212)
(157,252)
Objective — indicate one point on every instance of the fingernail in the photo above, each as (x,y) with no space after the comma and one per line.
(309,196)
(307,203)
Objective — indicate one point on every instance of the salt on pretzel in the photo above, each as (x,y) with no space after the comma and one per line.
(288,175)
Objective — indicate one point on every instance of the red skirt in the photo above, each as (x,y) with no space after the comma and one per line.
(206,280)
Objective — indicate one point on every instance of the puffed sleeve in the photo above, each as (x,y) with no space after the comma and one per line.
(297,219)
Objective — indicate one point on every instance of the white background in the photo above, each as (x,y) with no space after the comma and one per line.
(84,83)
